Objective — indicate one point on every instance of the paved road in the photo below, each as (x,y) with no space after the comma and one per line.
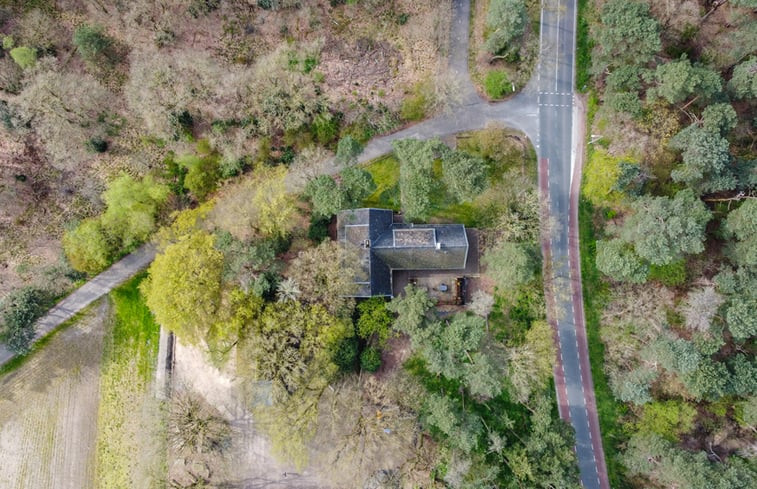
(559,141)
(545,112)
(85,295)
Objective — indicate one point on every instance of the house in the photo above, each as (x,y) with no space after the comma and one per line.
(385,246)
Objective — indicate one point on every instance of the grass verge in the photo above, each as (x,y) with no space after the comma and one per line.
(584,45)
(128,418)
(595,295)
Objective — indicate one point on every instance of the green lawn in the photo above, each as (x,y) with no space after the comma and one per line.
(129,422)
(478,213)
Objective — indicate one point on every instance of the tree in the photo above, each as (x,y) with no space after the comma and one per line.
(530,365)
(719,118)
(325,195)
(202,175)
(662,230)
(709,381)
(347,150)
(195,428)
(259,206)
(744,80)
(291,346)
(481,304)
(743,378)
(627,35)
(510,265)
(356,184)
(87,247)
(191,270)
(706,160)
(374,322)
(677,80)
(416,176)
(617,260)
(460,427)
(741,224)
(633,386)
(19,310)
(412,308)
(91,43)
(651,456)
(700,308)
(464,175)
(326,275)
(132,206)
(65,110)
(602,172)
(741,317)
(668,419)
(505,21)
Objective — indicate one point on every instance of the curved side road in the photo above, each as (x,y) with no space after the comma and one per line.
(85,295)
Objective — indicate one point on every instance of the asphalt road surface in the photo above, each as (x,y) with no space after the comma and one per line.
(557,147)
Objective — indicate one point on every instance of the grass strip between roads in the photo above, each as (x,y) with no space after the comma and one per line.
(128,418)
(596,295)
(584,45)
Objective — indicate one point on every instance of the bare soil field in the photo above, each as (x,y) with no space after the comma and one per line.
(47,409)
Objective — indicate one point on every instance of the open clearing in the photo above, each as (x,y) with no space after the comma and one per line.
(47,408)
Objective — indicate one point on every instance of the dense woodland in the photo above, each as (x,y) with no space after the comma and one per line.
(671,178)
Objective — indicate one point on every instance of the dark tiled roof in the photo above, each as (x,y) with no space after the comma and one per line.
(384,246)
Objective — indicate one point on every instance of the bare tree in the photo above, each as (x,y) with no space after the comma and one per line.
(701,307)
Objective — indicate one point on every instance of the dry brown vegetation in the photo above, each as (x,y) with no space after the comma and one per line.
(166,56)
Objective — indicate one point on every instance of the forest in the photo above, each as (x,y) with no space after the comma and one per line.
(669,217)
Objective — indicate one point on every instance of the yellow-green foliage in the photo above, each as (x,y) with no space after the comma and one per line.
(183,289)
(600,175)
(124,429)
(24,56)
(87,247)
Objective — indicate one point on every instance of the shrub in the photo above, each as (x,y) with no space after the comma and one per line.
(325,128)
(24,56)
(97,145)
(87,247)
(672,275)
(497,84)
(370,359)
(345,355)
(319,228)
(91,43)
(19,310)
(348,149)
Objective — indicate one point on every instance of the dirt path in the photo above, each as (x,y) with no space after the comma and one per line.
(48,407)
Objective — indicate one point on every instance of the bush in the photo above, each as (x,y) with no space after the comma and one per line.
(325,128)
(348,149)
(370,359)
(97,145)
(671,275)
(91,43)
(20,310)
(319,228)
(24,56)
(497,84)
(345,355)
(87,247)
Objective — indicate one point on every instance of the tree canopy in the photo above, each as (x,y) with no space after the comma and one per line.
(627,35)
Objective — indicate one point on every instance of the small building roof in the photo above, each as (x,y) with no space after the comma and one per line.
(384,246)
